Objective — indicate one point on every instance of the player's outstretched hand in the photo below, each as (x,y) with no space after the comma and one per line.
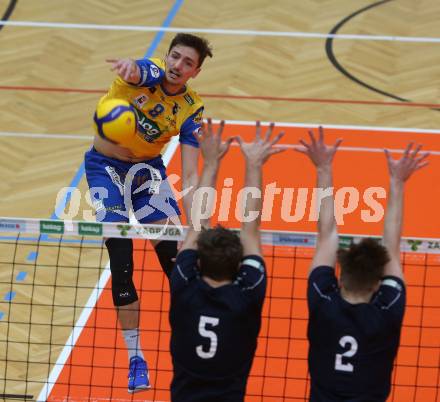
(402,169)
(211,145)
(127,69)
(261,149)
(320,154)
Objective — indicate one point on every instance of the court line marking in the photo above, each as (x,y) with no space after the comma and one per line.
(239,32)
(354,102)
(85,314)
(247,123)
(290,146)
(356,149)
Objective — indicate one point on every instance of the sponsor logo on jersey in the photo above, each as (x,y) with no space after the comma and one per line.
(198,118)
(176,108)
(172,121)
(188,99)
(141,100)
(154,70)
(147,128)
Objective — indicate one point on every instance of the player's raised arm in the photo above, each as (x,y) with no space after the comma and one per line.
(213,150)
(256,154)
(127,69)
(400,171)
(321,156)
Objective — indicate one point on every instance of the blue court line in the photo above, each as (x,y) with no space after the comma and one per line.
(159,35)
(32,256)
(21,276)
(9,296)
(78,175)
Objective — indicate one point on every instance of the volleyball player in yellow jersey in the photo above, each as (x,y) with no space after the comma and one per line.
(133,176)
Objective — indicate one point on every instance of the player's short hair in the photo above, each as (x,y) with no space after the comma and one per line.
(201,45)
(220,252)
(362,265)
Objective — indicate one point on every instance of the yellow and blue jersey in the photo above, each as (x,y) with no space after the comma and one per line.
(160,115)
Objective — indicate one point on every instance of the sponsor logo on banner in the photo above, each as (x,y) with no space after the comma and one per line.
(188,99)
(293,240)
(56,227)
(163,231)
(12,226)
(345,241)
(123,229)
(414,244)
(91,229)
(433,245)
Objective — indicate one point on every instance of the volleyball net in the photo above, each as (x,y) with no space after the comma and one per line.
(59,336)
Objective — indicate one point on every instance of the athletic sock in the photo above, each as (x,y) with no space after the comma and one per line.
(132,340)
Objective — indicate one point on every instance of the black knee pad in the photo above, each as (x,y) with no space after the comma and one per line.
(166,251)
(121,267)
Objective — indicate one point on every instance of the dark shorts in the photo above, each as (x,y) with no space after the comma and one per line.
(117,186)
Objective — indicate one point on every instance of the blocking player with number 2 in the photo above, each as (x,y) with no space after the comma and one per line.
(354,325)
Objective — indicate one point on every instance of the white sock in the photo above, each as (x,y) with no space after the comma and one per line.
(132,340)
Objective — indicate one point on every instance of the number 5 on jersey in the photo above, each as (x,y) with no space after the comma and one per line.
(211,335)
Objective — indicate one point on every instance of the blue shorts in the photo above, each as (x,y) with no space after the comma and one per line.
(117,186)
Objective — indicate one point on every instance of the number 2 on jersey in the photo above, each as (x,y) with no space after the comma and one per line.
(206,333)
(339,365)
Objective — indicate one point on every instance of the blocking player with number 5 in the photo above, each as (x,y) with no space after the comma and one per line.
(354,325)
(218,286)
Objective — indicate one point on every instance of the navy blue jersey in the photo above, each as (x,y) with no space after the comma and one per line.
(214,330)
(352,346)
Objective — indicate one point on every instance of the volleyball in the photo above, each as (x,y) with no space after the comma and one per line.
(115,120)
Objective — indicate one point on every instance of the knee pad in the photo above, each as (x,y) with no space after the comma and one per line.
(166,251)
(121,267)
